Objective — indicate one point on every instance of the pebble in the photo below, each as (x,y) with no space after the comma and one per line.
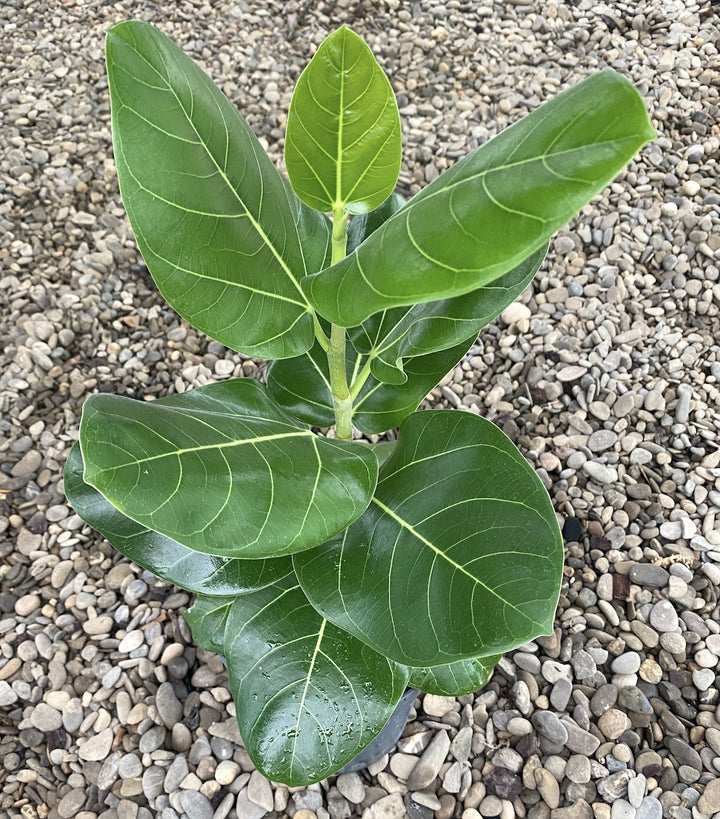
(429,764)
(97,747)
(388,807)
(436,706)
(550,726)
(709,802)
(72,803)
(259,791)
(27,604)
(169,707)
(649,808)
(196,805)
(613,723)
(46,718)
(548,787)
(605,373)
(649,575)
(663,616)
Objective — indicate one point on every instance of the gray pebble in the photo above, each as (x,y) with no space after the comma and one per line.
(72,803)
(550,727)
(649,575)
(663,616)
(429,764)
(196,805)
(169,707)
(46,718)
(176,772)
(649,808)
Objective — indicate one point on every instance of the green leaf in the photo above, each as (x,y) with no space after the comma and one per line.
(494,207)
(223,470)
(382,406)
(362,225)
(454,679)
(394,335)
(222,233)
(207,618)
(302,387)
(164,557)
(342,147)
(458,556)
(309,696)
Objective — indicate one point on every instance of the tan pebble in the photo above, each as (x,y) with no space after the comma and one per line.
(650,671)
(305,814)
(226,772)
(710,800)
(475,795)
(98,625)
(436,706)
(10,667)
(26,604)
(548,787)
(491,805)
(57,699)
(402,764)
(613,723)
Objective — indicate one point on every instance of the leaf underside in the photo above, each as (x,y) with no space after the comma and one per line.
(454,679)
(458,556)
(200,573)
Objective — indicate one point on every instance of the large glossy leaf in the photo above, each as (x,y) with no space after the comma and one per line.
(163,556)
(454,679)
(302,387)
(223,470)
(458,556)
(309,696)
(394,335)
(342,147)
(222,233)
(494,207)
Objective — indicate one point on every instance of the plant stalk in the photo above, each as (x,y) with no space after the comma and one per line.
(342,400)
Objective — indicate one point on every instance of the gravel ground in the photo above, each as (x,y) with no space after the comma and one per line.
(606,373)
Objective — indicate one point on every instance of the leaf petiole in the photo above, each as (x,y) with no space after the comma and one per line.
(359,382)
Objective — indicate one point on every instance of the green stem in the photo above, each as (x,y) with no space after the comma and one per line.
(359,382)
(342,400)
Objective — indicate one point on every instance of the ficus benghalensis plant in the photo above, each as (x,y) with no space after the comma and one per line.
(329,572)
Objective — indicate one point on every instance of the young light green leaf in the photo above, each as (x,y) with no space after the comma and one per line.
(459,555)
(342,147)
(163,556)
(222,233)
(301,386)
(223,470)
(309,696)
(494,207)
(404,332)
(454,679)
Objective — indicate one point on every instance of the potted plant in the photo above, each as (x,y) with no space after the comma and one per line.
(333,572)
